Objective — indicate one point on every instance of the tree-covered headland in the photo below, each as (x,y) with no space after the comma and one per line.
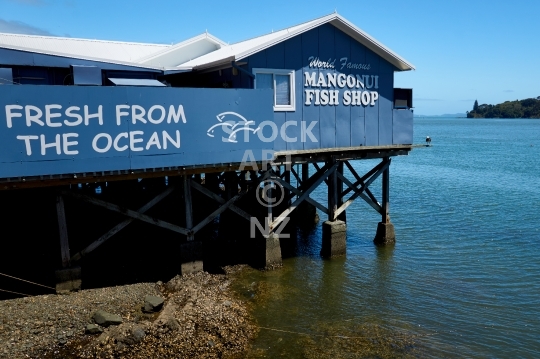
(528,108)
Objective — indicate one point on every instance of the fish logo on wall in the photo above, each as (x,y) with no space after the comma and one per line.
(233,124)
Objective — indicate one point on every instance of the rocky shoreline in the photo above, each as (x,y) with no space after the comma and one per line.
(198,318)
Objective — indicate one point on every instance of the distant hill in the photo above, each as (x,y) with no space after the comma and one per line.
(528,108)
(453,115)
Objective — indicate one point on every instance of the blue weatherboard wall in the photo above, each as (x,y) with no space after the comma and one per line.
(336,125)
(200,106)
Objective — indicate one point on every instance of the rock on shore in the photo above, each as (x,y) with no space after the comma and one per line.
(198,319)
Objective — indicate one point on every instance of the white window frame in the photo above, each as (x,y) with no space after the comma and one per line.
(290,73)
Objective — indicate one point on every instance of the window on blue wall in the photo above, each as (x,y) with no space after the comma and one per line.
(282,82)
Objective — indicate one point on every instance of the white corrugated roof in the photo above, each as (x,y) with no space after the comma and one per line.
(80,48)
(241,50)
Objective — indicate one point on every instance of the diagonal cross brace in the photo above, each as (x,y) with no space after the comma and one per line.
(120,226)
(378,170)
(360,181)
(368,200)
(321,177)
(299,193)
(127,212)
(220,200)
(224,204)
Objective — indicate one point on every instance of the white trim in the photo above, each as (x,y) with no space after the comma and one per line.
(290,73)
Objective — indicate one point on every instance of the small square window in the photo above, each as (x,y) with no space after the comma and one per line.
(282,82)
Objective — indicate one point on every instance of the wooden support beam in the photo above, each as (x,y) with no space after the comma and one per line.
(386,192)
(62,231)
(120,226)
(318,178)
(127,212)
(186,181)
(332,192)
(305,173)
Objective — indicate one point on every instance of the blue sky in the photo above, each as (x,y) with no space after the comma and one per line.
(463,50)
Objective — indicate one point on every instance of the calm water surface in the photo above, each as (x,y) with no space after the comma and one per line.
(463,279)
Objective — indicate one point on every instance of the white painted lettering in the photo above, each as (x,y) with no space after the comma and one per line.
(107,146)
(161,118)
(374,97)
(120,113)
(133,140)
(70,113)
(166,138)
(10,115)
(324,97)
(341,80)
(98,115)
(27,140)
(365,98)
(351,81)
(310,79)
(347,97)
(67,143)
(117,139)
(334,97)
(322,80)
(55,144)
(309,96)
(137,113)
(331,79)
(154,141)
(176,115)
(49,115)
(356,98)
(33,117)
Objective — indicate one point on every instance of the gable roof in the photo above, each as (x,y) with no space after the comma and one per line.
(243,49)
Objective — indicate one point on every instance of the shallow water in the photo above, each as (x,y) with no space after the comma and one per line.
(463,278)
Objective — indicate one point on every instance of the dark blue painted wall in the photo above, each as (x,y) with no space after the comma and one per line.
(341,125)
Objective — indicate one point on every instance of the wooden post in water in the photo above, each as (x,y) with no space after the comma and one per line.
(191,256)
(385,229)
(67,278)
(343,215)
(334,231)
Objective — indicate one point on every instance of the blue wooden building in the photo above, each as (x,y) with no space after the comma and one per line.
(318,95)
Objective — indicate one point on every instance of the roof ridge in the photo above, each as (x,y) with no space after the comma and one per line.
(285,28)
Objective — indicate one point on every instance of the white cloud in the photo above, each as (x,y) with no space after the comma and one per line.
(19,27)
